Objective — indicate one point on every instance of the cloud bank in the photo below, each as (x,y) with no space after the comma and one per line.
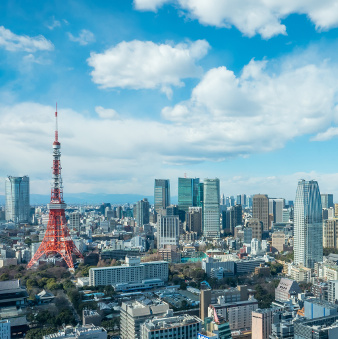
(13,42)
(147,65)
(251,17)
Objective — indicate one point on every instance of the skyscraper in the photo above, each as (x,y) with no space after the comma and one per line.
(17,199)
(161,194)
(187,194)
(200,195)
(327,200)
(233,218)
(243,200)
(211,208)
(276,209)
(308,228)
(142,212)
(168,230)
(194,220)
(260,209)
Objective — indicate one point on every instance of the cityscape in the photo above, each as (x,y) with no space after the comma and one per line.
(184,185)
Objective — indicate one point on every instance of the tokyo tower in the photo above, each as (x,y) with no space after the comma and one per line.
(57,239)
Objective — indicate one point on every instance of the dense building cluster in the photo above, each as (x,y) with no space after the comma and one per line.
(138,249)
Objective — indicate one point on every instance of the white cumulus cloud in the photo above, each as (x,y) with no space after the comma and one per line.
(252,17)
(257,111)
(13,42)
(147,65)
(85,37)
(106,113)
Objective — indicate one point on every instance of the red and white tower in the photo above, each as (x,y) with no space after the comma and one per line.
(57,239)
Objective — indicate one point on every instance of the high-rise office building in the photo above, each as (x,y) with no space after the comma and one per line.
(276,207)
(187,195)
(327,200)
(168,230)
(142,212)
(233,218)
(194,220)
(308,228)
(17,199)
(257,228)
(330,233)
(230,201)
(134,313)
(200,194)
(161,194)
(244,200)
(223,199)
(260,209)
(211,208)
(239,199)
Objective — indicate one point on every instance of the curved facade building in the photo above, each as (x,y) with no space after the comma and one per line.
(308,227)
(17,199)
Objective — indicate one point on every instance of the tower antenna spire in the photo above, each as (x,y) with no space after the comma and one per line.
(56,123)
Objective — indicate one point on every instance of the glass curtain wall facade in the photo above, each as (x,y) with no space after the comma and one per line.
(211,208)
(142,212)
(161,194)
(17,199)
(308,227)
(187,194)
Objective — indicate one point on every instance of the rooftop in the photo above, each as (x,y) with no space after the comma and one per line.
(159,323)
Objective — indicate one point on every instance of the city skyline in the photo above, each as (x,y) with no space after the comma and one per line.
(272,123)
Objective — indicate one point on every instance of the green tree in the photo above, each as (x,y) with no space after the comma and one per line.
(28,242)
(68,284)
(4,277)
(30,283)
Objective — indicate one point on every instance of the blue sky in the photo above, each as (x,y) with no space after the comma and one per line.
(240,90)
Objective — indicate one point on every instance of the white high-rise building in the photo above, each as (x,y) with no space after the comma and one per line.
(168,230)
(134,313)
(167,327)
(74,221)
(17,199)
(308,227)
(211,208)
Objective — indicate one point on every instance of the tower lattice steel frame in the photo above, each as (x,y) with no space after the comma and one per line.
(57,239)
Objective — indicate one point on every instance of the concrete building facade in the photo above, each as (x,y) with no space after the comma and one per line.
(132,272)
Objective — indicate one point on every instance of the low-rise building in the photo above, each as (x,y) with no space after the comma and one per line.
(12,294)
(5,329)
(285,289)
(316,308)
(238,314)
(133,271)
(169,327)
(91,317)
(83,332)
(300,273)
(325,327)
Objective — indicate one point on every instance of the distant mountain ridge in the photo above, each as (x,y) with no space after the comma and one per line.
(88,198)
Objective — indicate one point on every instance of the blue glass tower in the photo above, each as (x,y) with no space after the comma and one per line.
(308,226)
